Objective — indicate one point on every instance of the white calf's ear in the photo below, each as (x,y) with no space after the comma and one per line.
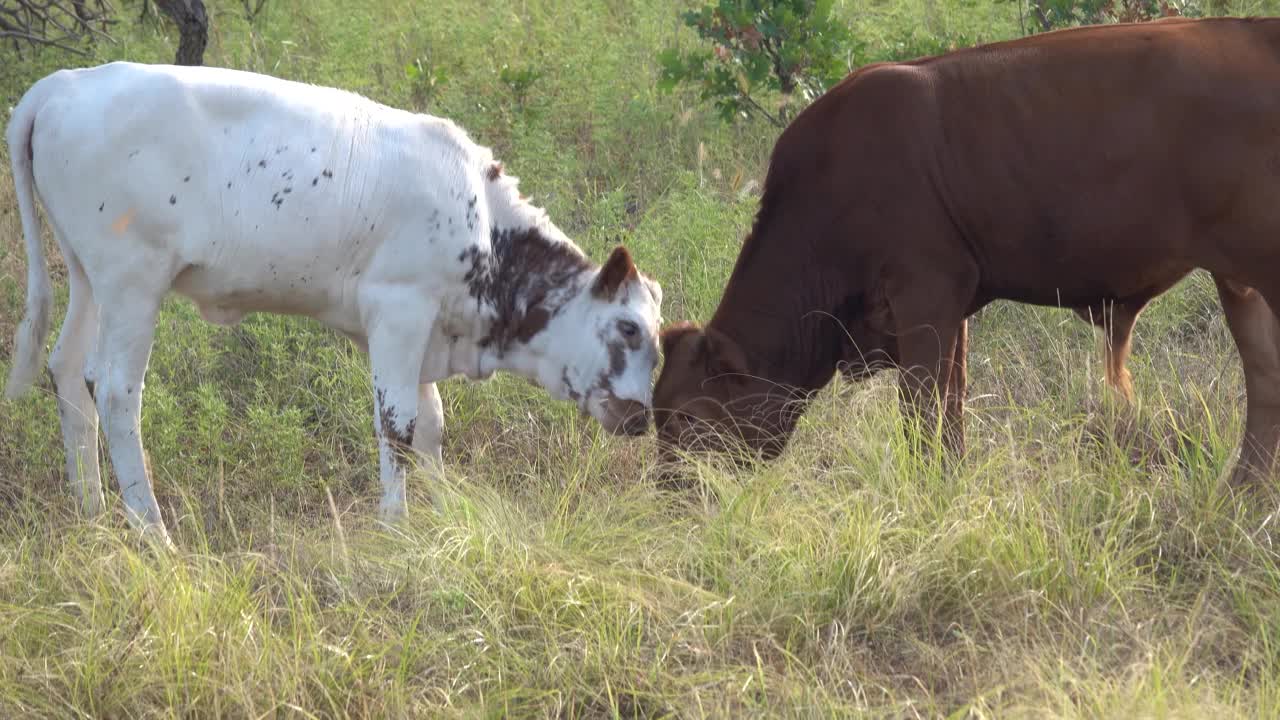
(655,290)
(617,271)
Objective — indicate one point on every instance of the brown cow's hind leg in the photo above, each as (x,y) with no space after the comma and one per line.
(1119,335)
(1117,321)
(1257,334)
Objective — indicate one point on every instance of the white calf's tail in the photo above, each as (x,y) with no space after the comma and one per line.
(28,353)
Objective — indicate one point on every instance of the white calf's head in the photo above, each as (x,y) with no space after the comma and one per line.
(584,333)
(603,342)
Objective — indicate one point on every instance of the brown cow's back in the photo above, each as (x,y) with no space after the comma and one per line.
(1113,162)
(1064,169)
(1086,154)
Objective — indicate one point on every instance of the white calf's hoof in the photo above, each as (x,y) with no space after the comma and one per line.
(91,507)
(392,513)
(157,536)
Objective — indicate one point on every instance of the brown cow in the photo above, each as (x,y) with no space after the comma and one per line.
(1080,168)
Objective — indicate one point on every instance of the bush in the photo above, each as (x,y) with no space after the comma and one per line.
(783,46)
(1052,14)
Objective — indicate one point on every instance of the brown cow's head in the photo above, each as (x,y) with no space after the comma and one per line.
(707,399)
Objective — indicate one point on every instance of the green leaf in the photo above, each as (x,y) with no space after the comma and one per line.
(757,68)
(673,70)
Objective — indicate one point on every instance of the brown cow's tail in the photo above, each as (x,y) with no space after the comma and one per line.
(29,340)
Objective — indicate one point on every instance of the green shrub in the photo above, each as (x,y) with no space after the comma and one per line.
(785,46)
(1053,14)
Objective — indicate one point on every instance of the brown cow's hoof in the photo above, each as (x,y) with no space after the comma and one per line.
(1254,485)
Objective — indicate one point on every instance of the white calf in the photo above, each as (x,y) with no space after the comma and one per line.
(248,193)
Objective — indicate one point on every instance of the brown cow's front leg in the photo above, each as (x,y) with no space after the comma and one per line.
(927,364)
(957,381)
(1257,334)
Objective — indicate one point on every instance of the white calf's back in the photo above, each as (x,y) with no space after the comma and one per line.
(246,192)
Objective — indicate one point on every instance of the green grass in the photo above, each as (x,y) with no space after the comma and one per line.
(1084,561)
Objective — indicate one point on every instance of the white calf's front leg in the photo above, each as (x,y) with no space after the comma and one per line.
(125,336)
(397,344)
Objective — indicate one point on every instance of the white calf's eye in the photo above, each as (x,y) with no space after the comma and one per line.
(628,328)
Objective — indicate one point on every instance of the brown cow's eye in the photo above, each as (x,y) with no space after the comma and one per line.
(628,328)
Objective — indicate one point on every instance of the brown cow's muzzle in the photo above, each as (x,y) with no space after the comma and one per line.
(671,472)
(681,435)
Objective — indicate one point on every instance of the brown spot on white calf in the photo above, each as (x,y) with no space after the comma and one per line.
(495,172)
(123,222)
(617,362)
(401,442)
(534,321)
(522,278)
(568,386)
(617,357)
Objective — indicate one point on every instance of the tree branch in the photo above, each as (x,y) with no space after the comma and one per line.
(41,40)
(55,23)
(777,122)
(785,81)
(1042,15)
(193,28)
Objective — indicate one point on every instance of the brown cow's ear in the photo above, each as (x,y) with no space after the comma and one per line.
(672,335)
(617,270)
(879,314)
(724,356)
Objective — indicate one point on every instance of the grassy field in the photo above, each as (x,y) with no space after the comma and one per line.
(1083,561)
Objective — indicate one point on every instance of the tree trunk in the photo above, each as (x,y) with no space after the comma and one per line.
(193,27)
(1042,15)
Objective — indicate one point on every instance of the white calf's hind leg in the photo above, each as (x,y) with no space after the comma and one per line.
(125,335)
(397,344)
(76,411)
(428,435)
